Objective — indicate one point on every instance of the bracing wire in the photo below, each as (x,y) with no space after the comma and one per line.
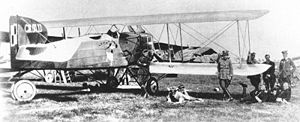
(123,28)
(95,29)
(190,34)
(212,41)
(69,31)
(208,38)
(159,35)
(244,40)
(174,39)
(223,30)
(88,30)
(197,33)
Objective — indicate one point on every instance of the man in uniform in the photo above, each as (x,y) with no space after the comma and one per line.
(225,72)
(263,95)
(286,69)
(285,94)
(269,75)
(143,72)
(254,79)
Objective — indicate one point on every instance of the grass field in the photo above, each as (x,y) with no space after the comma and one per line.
(68,102)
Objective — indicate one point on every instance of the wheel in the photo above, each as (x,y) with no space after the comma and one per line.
(12,90)
(112,82)
(49,78)
(152,86)
(23,90)
(58,78)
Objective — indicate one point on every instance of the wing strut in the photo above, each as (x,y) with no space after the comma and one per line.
(168,42)
(239,43)
(249,35)
(64,33)
(79,32)
(179,24)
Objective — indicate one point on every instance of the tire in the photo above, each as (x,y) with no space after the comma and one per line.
(23,91)
(49,77)
(152,86)
(112,82)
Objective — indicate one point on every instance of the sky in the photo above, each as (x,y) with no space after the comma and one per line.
(276,31)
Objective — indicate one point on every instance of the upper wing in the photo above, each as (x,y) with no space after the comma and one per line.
(161,18)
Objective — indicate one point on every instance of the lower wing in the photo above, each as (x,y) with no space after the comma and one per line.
(205,68)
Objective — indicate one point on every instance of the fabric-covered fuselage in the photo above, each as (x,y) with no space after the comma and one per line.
(91,51)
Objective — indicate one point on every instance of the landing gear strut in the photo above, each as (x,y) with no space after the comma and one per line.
(143,77)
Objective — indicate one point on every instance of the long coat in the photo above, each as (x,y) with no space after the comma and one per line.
(286,68)
(225,68)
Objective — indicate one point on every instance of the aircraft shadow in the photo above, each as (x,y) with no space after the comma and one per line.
(67,96)
(77,90)
(204,95)
(58,97)
(55,87)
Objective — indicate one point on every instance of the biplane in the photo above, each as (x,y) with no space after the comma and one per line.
(114,54)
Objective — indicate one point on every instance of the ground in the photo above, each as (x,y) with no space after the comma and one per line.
(70,102)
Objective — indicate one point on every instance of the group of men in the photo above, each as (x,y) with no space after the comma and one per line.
(263,91)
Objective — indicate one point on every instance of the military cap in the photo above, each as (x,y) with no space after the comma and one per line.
(225,53)
(284,52)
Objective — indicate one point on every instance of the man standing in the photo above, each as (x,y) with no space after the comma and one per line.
(286,69)
(254,79)
(143,72)
(225,72)
(269,75)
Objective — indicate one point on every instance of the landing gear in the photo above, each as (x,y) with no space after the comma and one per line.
(59,76)
(152,86)
(112,82)
(143,77)
(23,90)
(49,77)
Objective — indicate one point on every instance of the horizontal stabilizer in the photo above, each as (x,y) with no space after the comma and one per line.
(205,68)
(59,51)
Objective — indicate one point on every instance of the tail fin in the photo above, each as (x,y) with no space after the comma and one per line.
(23,31)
